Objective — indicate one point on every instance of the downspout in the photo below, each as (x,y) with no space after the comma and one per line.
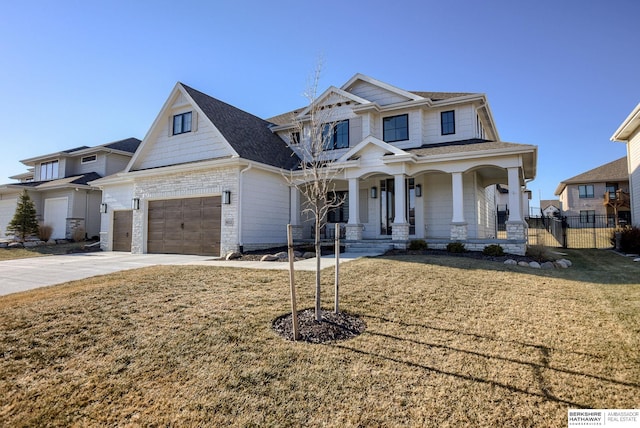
(240,239)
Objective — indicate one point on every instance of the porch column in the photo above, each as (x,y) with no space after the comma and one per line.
(294,213)
(354,228)
(516,227)
(515,196)
(458,224)
(400,226)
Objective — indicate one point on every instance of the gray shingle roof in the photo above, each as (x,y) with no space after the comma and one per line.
(249,135)
(612,171)
(462,146)
(127,145)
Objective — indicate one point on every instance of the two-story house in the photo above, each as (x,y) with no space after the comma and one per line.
(209,178)
(629,132)
(599,196)
(58,184)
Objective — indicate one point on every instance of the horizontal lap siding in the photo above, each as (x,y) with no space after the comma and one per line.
(265,208)
(634,171)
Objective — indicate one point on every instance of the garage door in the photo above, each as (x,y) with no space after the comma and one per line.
(185,226)
(55,215)
(122,221)
(7,211)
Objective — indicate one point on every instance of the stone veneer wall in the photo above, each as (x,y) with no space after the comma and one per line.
(199,183)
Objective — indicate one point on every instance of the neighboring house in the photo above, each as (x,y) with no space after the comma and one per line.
(602,191)
(58,184)
(550,207)
(209,178)
(629,133)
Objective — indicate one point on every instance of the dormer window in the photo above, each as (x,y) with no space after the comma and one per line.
(294,137)
(88,159)
(182,123)
(395,128)
(49,170)
(336,136)
(448,122)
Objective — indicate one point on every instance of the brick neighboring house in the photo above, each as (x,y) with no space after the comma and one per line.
(598,192)
(629,133)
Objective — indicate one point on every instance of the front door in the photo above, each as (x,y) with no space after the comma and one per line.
(387,205)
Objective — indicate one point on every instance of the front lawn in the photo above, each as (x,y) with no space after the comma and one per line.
(449,342)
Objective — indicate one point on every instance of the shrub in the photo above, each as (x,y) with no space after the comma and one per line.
(629,239)
(456,247)
(44,232)
(78,235)
(493,250)
(540,253)
(418,244)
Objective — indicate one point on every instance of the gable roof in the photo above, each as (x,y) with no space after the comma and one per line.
(628,127)
(76,180)
(127,145)
(439,96)
(247,134)
(612,171)
(546,203)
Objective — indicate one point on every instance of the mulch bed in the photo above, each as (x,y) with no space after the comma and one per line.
(333,327)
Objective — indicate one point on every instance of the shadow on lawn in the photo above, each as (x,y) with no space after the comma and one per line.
(595,266)
(538,369)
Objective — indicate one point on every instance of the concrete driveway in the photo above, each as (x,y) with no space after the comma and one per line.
(26,274)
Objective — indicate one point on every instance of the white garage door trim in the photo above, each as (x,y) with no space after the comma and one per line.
(55,215)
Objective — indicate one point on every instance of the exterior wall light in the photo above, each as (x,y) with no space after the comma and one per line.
(135,203)
(103,208)
(418,190)
(374,192)
(226,197)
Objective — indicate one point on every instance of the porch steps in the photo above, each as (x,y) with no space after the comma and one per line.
(368,246)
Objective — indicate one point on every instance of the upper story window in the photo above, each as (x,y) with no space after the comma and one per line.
(336,136)
(448,122)
(611,189)
(88,159)
(585,190)
(182,123)
(294,137)
(49,170)
(395,128)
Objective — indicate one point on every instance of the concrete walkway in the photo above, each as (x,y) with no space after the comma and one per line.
(26,274)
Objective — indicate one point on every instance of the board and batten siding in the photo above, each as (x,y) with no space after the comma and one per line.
(375,94)
(202,143)
(265,209)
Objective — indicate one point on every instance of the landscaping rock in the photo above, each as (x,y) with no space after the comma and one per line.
(534,265)
(523,263)
(4,244)
(269,258)
(31,244)
(637,260)
(547,265)
(15,245)
(282,255)
(562,264)
(233,255)
(309,255)
(566,262)
(510,262)
(298,254)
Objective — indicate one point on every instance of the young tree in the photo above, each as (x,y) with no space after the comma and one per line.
(314,178)
(24,222)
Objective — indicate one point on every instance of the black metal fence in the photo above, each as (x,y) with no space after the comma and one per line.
(585,231)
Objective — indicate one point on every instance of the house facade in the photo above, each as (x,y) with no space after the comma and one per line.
(629,132)
(209,178)
(601,191)
(58,184)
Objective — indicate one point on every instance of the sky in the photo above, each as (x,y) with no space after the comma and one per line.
(561,74)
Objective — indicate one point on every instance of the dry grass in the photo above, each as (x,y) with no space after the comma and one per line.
(449,342)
